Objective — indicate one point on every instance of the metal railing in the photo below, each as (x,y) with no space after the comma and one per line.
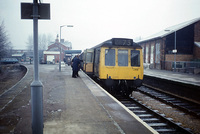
(192,67)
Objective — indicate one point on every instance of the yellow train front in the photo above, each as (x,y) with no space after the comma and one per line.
(117,63)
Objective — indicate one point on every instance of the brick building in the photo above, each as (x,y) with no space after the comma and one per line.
(52,54)
(175,45)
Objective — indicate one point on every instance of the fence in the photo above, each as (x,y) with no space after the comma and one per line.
(191,67)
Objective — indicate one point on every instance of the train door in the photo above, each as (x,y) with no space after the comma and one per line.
(96,62)
(88,62)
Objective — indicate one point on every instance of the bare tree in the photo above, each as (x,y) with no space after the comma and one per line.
(30,43)
(43,42)
(5,45)
(50,38)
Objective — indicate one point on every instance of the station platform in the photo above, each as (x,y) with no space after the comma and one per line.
(174,76)
(86,108)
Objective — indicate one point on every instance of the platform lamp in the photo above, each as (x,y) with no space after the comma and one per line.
(60,45)
(175,50)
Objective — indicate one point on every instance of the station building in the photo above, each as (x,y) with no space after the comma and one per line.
(19,56)
(52,54)
(176,45)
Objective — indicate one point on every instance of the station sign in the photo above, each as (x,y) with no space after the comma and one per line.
(27,11)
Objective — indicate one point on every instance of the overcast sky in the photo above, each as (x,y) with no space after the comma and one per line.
(98,20)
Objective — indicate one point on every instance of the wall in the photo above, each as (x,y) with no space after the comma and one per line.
(197,32)
(196,50)
(181,57)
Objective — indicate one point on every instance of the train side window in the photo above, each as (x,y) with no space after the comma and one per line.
(135,58)
(88,57)
(122,57)
(110,57)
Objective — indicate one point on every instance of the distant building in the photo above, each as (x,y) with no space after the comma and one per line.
(175,45)
(52,54)
(23,55)
(19,56)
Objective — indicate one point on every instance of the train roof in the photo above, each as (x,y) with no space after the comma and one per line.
(118,42)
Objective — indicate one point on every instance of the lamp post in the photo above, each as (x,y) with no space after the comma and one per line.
(60,45)
(175,50)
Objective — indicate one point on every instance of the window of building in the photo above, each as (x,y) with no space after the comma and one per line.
(135,58)
(157,60)
(152,54)
(147,54)
(110,57)
(122,57)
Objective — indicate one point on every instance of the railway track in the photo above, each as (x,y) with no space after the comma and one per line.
(7,97)
(177,102)
(152,117)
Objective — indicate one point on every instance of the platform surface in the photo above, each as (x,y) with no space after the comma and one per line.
(91,110)
(174,76)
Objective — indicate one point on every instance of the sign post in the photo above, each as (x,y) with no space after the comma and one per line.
(36,11)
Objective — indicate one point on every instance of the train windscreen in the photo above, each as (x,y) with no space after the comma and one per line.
(122,57)
(110,57)
(135,58)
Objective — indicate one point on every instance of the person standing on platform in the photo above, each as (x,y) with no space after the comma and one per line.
(75,66)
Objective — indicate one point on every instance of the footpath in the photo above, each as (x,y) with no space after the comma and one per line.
(174,76)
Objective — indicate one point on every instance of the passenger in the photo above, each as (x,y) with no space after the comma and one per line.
(75,66)
(79,67)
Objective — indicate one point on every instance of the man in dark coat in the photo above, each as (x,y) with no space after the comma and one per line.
(75,66)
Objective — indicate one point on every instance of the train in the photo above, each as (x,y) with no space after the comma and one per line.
(8,61)
(116,63)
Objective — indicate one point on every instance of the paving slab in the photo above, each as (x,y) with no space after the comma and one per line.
(91,110)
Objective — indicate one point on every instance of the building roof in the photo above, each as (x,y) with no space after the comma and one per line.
(73,51)
(18,55)
(170,30)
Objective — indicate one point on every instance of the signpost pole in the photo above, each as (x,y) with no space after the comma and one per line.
(36,85)
(36,11)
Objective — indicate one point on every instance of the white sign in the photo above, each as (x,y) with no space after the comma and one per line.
(174,51)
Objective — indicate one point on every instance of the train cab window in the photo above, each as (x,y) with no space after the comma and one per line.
(122,57)
(135,58)
(110,57)
(88,57)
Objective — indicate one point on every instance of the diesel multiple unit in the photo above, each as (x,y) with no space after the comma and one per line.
(117,63)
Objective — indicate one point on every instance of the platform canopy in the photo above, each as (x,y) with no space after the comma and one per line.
(73,51)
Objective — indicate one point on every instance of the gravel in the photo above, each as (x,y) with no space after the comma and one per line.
(187,121)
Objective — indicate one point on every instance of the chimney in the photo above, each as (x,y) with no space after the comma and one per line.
(57,40)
